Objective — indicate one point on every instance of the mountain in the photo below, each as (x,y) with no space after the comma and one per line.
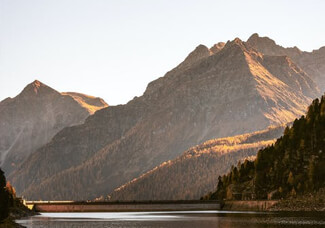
(293,166)
(212,94)
(195,172)
(313,63)
(29,120)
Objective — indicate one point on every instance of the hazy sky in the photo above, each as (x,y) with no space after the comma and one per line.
(113,49)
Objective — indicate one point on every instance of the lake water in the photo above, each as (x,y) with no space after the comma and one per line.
(179,219)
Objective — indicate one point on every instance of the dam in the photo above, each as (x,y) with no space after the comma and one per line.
(125,206)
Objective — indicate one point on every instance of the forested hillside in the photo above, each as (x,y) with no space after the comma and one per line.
(294,165)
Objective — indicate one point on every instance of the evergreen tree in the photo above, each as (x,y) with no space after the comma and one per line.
(291,179)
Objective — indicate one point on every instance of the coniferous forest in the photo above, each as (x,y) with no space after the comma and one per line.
(293,165)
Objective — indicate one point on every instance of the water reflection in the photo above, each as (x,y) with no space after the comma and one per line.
(179,219)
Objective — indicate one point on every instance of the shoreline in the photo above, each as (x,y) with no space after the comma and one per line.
(248,205)
(10,223)
(308,202)
(302,203)
(296,205)
(16,213)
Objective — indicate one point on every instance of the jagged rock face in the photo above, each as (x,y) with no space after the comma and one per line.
(31,119)
(231,92)
(196,171)
(313,63)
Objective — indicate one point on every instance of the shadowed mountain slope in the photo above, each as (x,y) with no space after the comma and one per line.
(195,172)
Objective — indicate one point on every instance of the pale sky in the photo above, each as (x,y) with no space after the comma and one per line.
(114,48)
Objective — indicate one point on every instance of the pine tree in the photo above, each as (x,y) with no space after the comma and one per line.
(291,179)
(311,174)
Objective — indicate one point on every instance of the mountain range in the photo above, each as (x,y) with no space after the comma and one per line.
(229,89)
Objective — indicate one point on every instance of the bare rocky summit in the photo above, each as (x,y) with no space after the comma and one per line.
(224,91)
(29,121)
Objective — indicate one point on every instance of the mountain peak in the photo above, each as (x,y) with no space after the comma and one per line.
(254,36)
(200,52)
(36,84)
(236,41)
(236,44)
(268,46)
(256,39)
(217,47)
(37,88)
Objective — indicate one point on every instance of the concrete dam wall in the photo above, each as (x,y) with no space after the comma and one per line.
(124,206)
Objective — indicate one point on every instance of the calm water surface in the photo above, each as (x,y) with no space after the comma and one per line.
(179,219)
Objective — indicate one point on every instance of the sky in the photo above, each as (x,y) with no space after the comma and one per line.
(113,48)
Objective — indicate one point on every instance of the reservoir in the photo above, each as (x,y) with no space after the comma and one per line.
(176,219)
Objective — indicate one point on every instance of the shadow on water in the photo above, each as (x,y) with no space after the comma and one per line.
(179,219)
